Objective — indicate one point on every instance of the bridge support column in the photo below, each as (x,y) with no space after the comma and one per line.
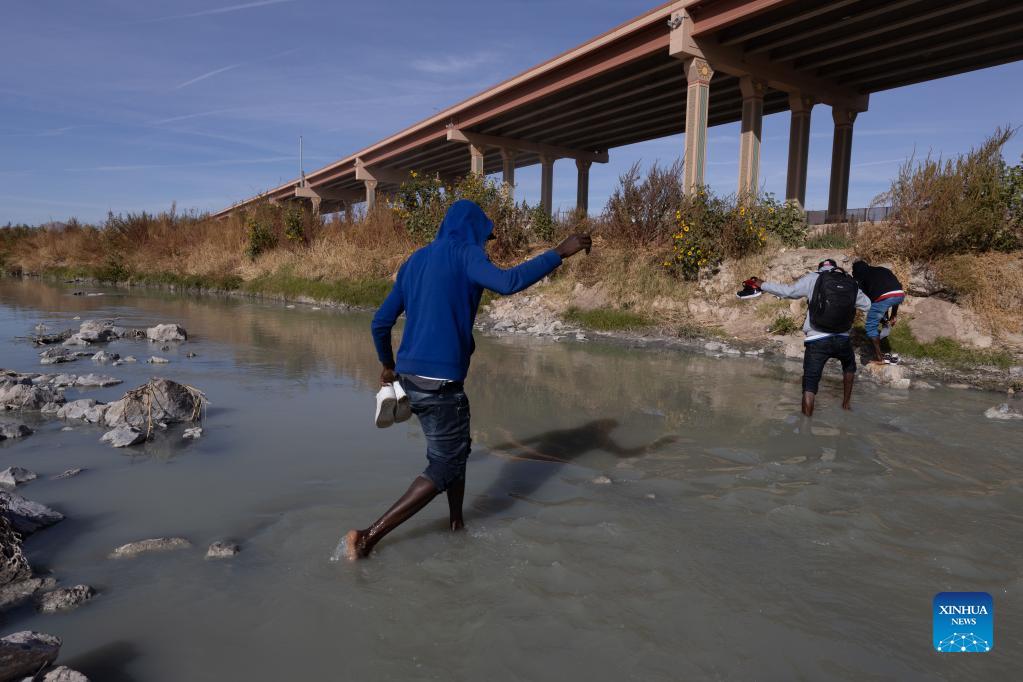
(508,168)
(477,154)
(315,201)
(547,183)
(582,192)
(799,149)
(750,136)
(841,162)
(371,194)
(698,74)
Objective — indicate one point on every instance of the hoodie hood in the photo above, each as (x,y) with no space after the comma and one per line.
(859,268)
(466,222)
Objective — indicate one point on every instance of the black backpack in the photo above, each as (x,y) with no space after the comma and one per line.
(833,304)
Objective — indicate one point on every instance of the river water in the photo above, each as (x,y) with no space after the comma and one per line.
(736,540)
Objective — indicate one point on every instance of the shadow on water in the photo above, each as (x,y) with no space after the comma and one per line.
(553,448)
(106,662)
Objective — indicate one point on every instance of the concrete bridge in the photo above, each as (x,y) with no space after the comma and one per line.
(683,67)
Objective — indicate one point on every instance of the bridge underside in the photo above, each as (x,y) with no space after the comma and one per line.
(683,67)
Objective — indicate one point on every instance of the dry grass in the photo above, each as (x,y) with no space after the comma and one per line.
(991,285)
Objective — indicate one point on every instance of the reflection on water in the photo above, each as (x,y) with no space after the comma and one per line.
(737,540)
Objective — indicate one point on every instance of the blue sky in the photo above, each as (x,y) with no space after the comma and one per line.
(130,105)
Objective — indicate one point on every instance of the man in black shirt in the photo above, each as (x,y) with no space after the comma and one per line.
(885,292)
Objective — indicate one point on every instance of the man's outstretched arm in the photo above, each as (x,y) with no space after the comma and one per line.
(513,280)
(801,288)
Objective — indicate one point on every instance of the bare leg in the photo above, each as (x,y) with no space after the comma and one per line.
(456,493)
(359,543)
(847,385)
(808,400)
(878,355)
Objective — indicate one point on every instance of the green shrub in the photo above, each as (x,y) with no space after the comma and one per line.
(784,220)
(606,319)
(710,229)
(294,217)
(261,235)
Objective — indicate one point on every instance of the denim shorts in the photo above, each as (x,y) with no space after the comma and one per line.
(817,353)
(444,416)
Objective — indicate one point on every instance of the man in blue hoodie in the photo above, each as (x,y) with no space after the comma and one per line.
(439,289)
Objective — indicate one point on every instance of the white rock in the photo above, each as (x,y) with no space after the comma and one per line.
(13,476)
(222,550)
(104,356)
(193,433)
(601,480)
(76,409)
(65,598)
(1004,412)
(712,346)
(11,430)
(96,380)
(70,473)
(123,436)
(27,516)
(166,332)
(134,549)
(62,673)
(63,380)
(157,360)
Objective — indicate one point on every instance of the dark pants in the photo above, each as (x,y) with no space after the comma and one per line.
(444,415)
(817,353)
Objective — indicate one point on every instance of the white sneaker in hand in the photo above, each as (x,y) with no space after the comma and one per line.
(403,407)
(386,402)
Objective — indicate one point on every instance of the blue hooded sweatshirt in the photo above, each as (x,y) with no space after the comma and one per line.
(439,289)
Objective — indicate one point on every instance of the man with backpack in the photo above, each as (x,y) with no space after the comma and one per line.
(885,292)
(833,298)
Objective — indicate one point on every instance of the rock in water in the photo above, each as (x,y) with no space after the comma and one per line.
(65,598)
(13,564)
(27,397)
(222,550)
(1004,412)
(104,356)
(160,400)
(166,332)
(133,549)
(96,380)
(9,429)
(194,433)
(123,436)
(157,360)
(70,473)
(13,476)
(76,409)
(62,673)
(26,653)
(26,516)
(602,480)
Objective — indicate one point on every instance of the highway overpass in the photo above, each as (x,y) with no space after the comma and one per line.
(683,67)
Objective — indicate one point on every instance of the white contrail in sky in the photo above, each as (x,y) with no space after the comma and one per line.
(229,67)
(218,10)
(208,74)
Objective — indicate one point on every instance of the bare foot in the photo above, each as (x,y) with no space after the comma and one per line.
(457,524)
(846,406)
(355,545)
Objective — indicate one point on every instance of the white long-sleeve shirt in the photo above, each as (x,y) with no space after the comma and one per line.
(803,288)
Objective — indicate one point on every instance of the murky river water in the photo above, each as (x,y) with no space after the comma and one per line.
(736,541)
